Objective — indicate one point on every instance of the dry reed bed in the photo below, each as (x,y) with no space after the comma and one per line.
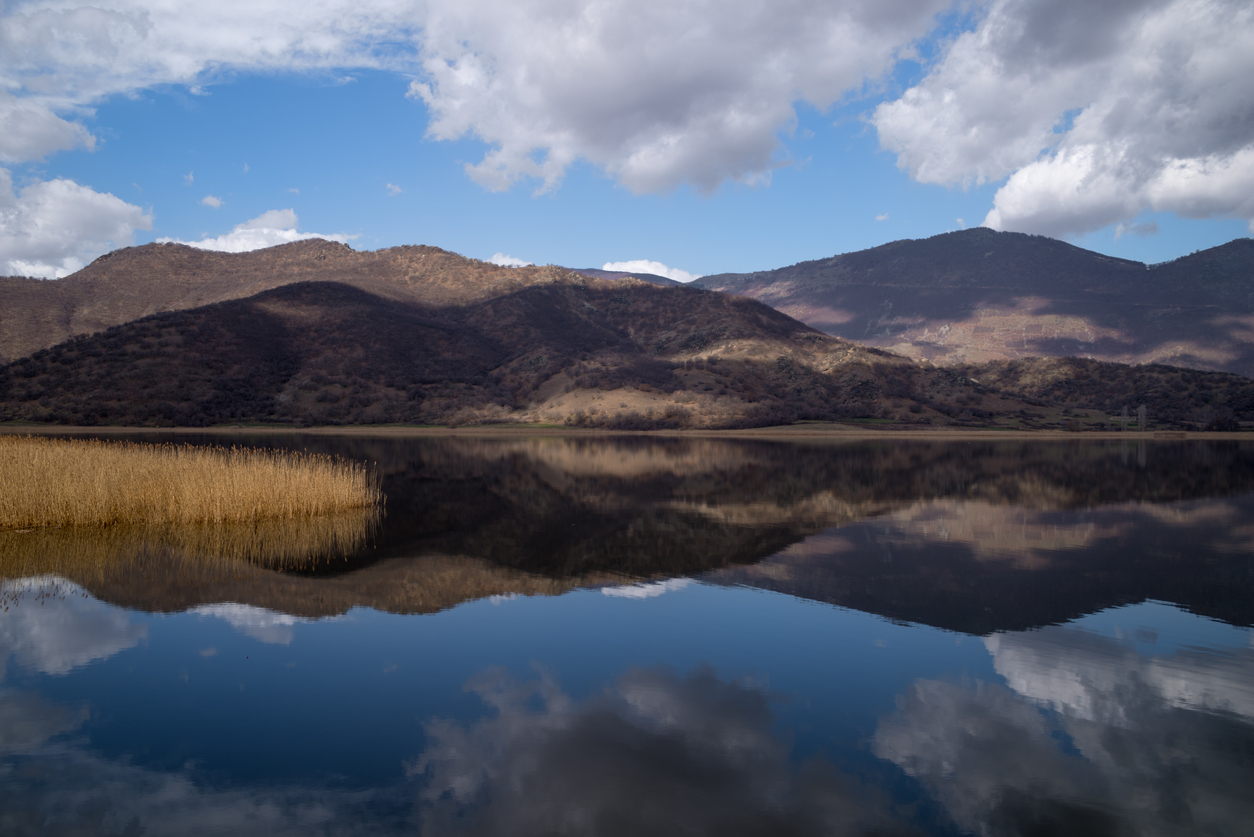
(68,482)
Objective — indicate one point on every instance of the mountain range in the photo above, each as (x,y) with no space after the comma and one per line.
(316,333)
(978,295)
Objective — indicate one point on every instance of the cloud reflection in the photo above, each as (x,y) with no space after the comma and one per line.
(53,626)
(655,754)
(1090,737)
(646,590)
(263,625)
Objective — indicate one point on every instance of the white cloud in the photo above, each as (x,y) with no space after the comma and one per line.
(278,226)
(294,191)
(189,178)
(655,268)
(508,261)
(393,189)
(1094,112)
(211,201)
(52,228)
(60,58)
(882,217)
(656,93)
(32,130)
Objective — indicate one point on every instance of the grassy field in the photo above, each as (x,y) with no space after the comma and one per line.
(49,482)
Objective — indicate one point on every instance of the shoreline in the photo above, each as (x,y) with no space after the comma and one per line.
(833,432)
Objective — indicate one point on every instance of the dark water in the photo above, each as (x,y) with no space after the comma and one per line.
(633,636)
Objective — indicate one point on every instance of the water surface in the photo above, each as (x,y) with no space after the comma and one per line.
(680,636)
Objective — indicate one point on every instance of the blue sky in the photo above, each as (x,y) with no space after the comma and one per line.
(435,125)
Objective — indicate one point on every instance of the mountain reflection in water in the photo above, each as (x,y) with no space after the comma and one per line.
(587,636)
(971,536)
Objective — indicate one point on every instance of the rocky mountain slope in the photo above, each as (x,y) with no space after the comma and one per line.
(136,282)
(316,333)
(977,295)
(581,351)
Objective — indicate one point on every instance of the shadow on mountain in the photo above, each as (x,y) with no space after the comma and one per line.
(978,295)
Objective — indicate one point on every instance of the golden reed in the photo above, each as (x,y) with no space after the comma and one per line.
(47,482)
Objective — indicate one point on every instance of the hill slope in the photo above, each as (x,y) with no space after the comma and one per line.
(136,282)
(978,295)
(581,351)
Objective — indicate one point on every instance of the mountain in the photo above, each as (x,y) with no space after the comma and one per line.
(978,295)
(316,333)
(651,278)
(136,282)
(575,350)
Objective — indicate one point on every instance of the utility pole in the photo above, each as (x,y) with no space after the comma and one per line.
(1140,418)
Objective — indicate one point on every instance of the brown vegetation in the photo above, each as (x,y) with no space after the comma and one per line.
(63,482)
(417,335)
(470,517)
(137,282)
(1171,396)
(977,295)
(579,351)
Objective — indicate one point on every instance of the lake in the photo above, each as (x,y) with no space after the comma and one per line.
(641,635)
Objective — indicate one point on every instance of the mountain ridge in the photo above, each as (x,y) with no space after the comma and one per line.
(979,295)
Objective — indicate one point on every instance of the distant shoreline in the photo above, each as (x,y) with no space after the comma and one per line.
(807,432)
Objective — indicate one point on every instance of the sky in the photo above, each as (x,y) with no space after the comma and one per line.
(682,137)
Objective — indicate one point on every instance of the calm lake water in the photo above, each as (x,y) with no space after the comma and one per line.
(631,636)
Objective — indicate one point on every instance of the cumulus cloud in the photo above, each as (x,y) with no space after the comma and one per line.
(52,627)
(59,58)
(508,261)
(883,216)
(655,93)
(654,268)
(278,226)
(393,189)
(1094,113)
(211,201)
(52,228)
(32,130)
(654,754)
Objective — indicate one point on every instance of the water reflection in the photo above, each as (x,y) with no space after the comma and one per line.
(92,553)
(58,627)
(975,536)
(978,567)
(1130,744)
(655,753)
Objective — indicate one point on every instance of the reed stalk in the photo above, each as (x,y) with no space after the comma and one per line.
(47,482)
